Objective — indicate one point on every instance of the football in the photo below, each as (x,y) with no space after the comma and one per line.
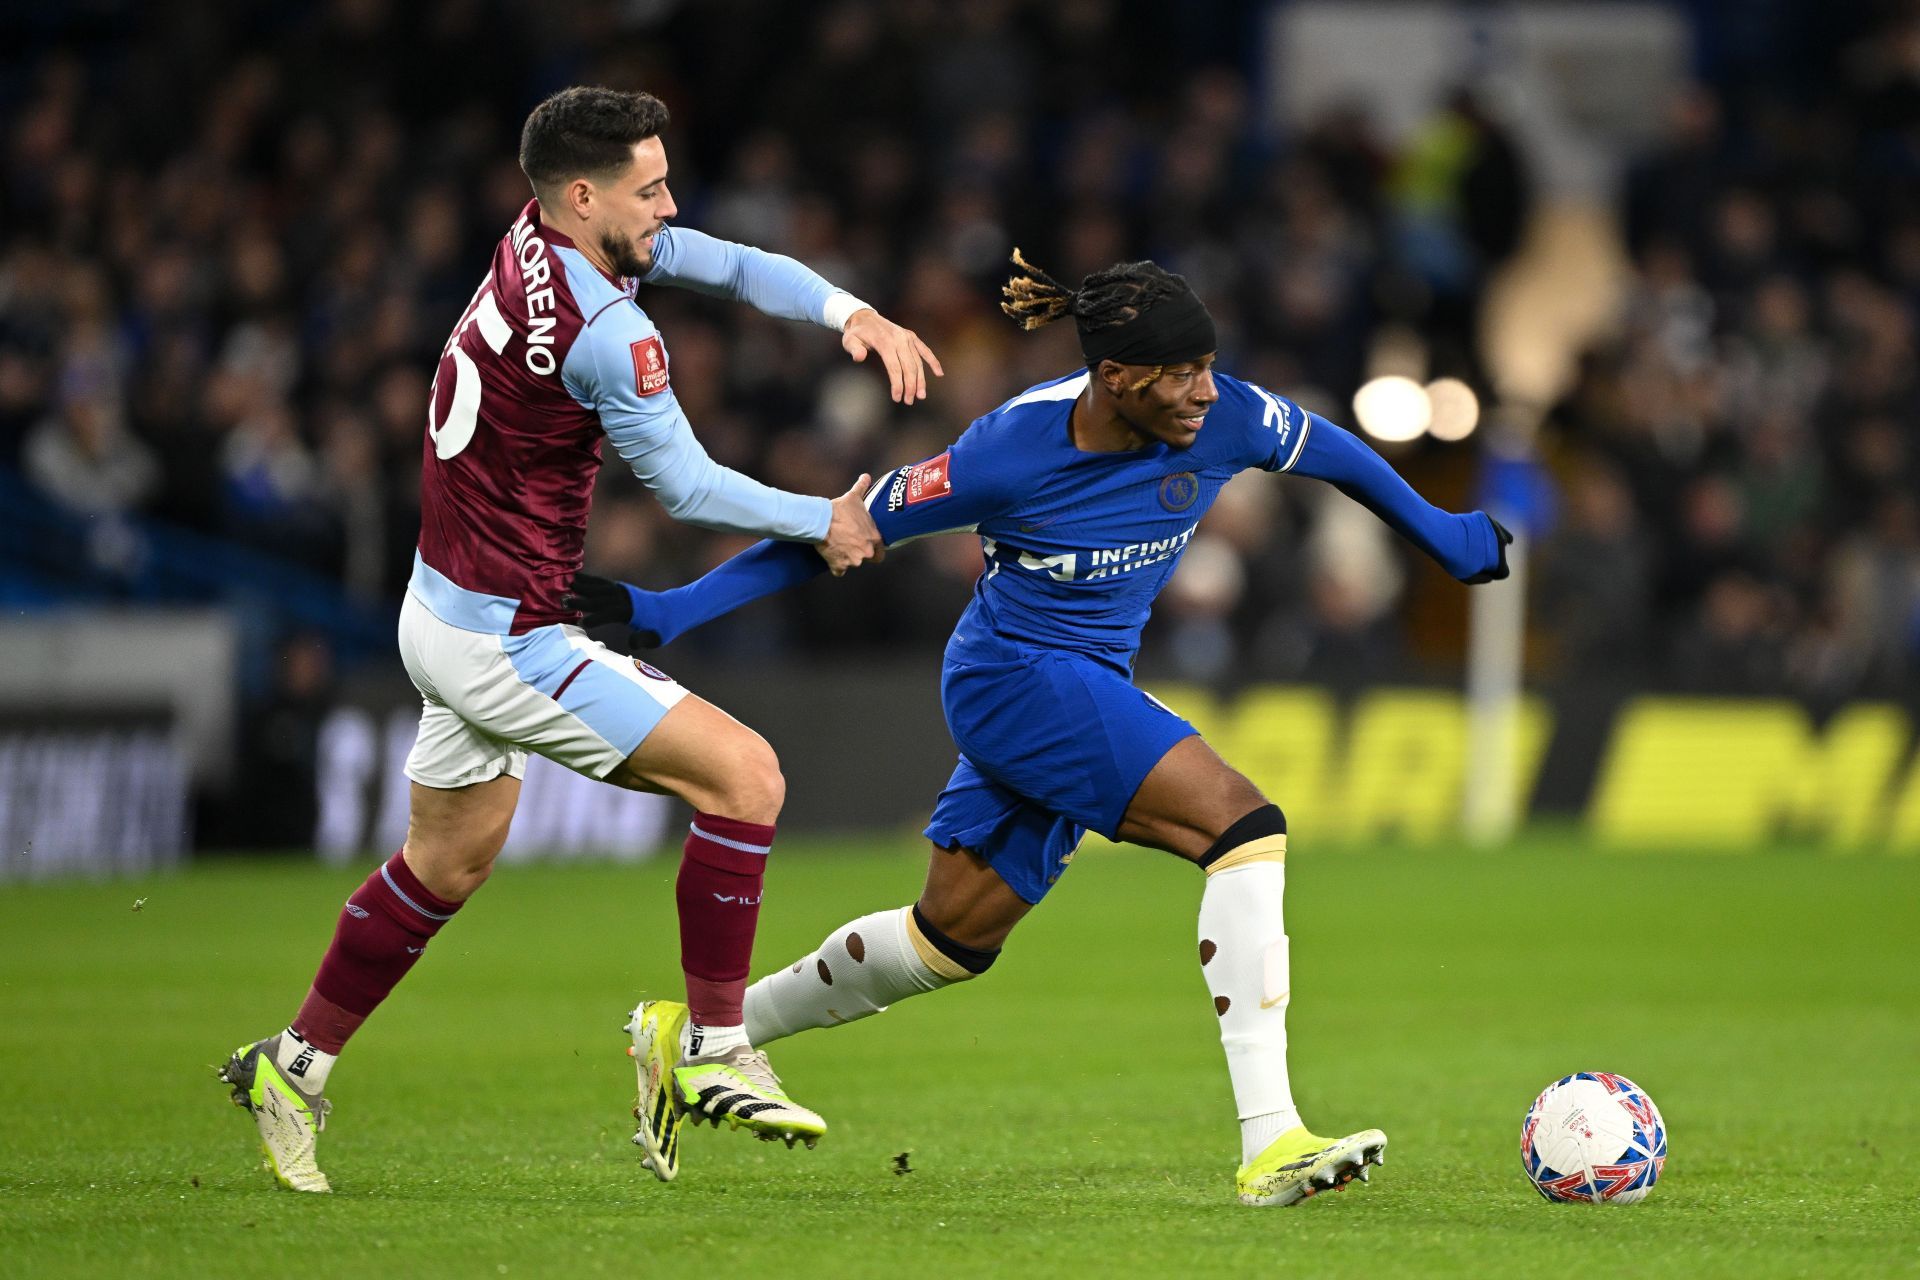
(1593,1136)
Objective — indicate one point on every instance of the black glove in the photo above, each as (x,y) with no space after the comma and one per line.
(601,601)
(1499,571)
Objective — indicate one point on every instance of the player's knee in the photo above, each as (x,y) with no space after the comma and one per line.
(464,881)
(1259,836)
(945,955)
(451,874)
(755,790)
(1243,797)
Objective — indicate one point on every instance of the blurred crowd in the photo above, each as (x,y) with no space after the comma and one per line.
(1741,461)
(235,240)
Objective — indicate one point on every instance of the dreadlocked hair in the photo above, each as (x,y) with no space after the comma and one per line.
(1036,298)
(1103,300)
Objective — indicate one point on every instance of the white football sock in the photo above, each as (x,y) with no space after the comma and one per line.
(700,1040)
(1243,955)
(1258,1132)
(863,966)
(305,1065)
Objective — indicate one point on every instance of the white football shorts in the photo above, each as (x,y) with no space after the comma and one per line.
(491,698)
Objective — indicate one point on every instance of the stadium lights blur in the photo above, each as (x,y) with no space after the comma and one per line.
(1393,409)
(1456,410)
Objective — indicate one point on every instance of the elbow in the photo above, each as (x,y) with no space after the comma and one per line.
(676,497)
(682,505)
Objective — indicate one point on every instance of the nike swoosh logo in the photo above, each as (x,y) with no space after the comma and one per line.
(724,897)
(1277,1000)
(1038,524)
(414,951)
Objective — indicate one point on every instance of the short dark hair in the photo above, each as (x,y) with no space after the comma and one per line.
(585,131)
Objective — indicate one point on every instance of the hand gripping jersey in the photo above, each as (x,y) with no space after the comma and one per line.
(550,355)
(1079,544)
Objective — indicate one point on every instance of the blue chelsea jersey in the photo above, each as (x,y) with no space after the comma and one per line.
(1079,544)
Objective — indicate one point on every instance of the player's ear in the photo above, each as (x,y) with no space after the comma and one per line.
(1113,376)
(580,197)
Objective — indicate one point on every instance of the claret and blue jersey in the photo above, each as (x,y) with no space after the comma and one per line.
(550,356)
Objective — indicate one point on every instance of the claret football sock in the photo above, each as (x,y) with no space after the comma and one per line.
(1243,955)
(722,869)
(383,930)
(862,967)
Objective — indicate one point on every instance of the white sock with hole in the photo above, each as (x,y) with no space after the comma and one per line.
(1243,955)
(863,966)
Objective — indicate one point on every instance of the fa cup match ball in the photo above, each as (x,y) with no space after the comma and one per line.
(1593,1136)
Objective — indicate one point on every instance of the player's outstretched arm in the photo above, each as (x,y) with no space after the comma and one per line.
(1471,546)
(784,287)
(660,617)
(907,503)
(770,282)
(618,368)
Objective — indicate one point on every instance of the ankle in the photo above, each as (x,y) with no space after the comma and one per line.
(704,1040)
(304,1062)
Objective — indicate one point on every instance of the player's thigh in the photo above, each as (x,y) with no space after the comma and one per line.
(1071,737)
(1188,801)
(710,760)
(454,835)
(552,691)
(465,784)
(967,900)
(1025,847)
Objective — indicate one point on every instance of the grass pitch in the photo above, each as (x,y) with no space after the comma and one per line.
(1067,1115)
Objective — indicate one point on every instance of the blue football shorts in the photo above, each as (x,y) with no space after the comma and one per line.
(1052,745)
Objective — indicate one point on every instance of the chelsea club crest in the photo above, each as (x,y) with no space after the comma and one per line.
(1179,491)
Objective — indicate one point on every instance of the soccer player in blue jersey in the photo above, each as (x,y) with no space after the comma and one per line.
(1084,492)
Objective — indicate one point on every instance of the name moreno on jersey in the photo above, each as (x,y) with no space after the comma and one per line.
(551,356)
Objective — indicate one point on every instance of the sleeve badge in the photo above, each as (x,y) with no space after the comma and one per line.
(649,366)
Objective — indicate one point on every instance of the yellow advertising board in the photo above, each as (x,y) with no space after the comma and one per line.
(1735,773)
(1675,773)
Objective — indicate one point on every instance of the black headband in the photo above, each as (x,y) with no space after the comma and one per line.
(1175,330)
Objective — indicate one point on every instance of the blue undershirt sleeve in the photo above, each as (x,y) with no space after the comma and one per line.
(648,428)
(1464,545)
(770,282)
(951,493)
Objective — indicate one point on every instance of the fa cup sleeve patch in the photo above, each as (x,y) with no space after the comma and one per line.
(649,366)
(930,479)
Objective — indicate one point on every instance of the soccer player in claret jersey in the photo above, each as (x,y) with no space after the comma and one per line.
(1084,492)
(552,353)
